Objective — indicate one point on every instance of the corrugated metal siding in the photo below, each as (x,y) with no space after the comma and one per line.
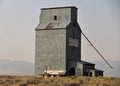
(50,50)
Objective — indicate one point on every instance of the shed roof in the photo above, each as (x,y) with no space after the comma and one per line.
(98,70)
(84,62)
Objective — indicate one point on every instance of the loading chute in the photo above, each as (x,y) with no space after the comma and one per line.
(97,50)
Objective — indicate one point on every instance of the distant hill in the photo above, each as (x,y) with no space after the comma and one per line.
(16,67)
(23,67)
(115,72)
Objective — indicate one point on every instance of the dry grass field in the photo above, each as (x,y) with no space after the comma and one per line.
(58,81)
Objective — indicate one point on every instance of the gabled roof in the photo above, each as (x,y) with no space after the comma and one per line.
(57,17)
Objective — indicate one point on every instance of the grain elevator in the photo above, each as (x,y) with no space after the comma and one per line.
(58,44)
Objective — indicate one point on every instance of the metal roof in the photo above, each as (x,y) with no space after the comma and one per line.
(59,7)
(84,62)
(52,25)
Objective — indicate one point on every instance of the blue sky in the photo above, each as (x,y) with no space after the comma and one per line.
(98,19)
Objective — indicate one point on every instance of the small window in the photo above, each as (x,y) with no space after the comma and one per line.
(55,17)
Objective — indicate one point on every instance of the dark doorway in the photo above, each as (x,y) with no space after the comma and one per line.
(90,73)
(72,72)
(86,73)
